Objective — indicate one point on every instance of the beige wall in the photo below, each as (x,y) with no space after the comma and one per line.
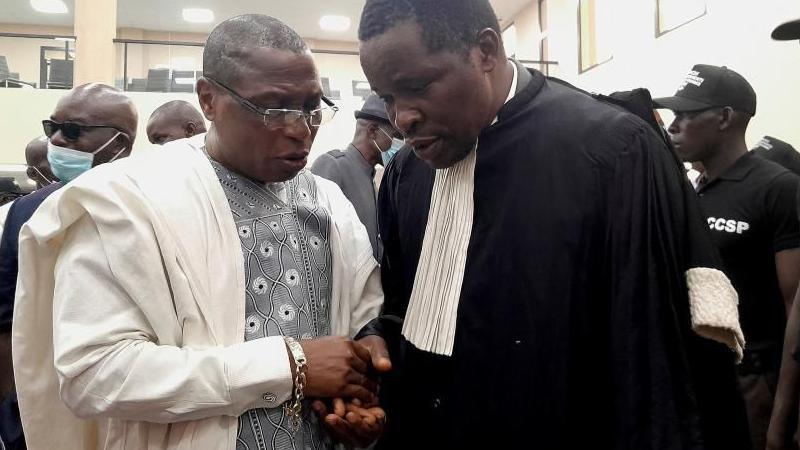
(528,33)
(733,33)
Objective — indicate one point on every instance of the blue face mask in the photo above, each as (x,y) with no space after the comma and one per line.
(67,164)
(387,155)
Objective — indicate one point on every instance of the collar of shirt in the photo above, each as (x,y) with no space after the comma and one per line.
(736,172)
(512,91)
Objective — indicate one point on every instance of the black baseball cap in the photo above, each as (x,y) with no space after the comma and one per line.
(780,152)
(708,86)
(787,31)
(374,109)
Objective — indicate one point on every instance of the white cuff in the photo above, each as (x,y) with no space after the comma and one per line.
(714,307)
(259,373)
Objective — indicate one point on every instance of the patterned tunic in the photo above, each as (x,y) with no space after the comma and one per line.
(287,259)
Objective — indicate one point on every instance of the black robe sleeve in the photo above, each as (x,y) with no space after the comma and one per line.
(394,270)
(664,373)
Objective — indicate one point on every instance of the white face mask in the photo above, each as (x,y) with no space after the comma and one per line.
(67,164)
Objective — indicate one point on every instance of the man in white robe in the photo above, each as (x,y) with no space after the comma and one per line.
(130,328)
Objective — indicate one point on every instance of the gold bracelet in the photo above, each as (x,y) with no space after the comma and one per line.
(294,407)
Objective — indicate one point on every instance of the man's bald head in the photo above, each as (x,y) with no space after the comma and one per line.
(229,45)
(174,120)
(108,118)
(102,104)
(36,151)
(38,166)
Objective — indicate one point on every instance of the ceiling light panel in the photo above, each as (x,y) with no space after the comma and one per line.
(334,23)
(198,15)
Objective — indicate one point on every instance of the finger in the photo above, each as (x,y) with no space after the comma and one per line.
(368,419)
(379,353)
(359,392)
(358,363)
(366,382)
(354,419)
(338,426)
(320,408)
(362,352)
(378,413)
(371,417)
(339,407)
(366,432)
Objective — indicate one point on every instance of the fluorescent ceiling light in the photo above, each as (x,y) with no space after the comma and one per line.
(65,39)
(334,23)
(198,15)
(50,6)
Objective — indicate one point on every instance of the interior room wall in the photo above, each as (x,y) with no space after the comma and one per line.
(735,33)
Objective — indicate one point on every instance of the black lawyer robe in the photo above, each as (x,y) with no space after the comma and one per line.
(573,327)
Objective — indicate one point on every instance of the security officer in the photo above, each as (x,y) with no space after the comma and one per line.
(780,152)
(750,206)
(353,169)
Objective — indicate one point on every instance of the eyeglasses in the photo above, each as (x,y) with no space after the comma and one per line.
(70,130)
(279,118)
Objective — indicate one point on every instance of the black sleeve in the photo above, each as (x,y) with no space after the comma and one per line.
(389,324)
(663,370)
(8,266)
(782,212)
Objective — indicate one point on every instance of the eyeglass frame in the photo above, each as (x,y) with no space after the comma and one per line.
(265,112)
(60,127)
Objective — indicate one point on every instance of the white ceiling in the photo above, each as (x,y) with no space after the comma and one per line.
(165,15)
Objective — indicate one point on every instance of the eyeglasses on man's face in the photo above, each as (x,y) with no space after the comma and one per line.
(275,118)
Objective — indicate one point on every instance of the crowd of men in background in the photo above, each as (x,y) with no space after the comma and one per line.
(437,270)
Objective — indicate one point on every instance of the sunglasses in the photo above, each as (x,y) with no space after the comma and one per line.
(70,130)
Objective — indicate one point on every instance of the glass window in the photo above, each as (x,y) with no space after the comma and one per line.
(158,67)
(36,61)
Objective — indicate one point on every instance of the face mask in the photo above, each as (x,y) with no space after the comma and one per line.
(387,155)
(67,164)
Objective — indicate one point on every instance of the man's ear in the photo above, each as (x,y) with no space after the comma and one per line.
(190,129)
(372,130)
(727,117)
(206,93)
(490,48)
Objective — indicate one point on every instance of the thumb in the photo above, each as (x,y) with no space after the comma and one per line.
(379,353)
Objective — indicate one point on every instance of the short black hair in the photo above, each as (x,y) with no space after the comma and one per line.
(228,43)
(446,24)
